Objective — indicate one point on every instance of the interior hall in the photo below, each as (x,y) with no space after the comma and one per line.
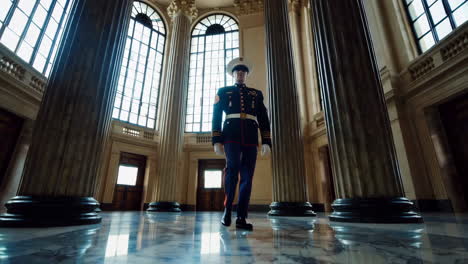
(106,131)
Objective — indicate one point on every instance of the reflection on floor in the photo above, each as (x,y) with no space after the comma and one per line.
(134,237)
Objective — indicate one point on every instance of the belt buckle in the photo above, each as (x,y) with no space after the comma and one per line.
(243,115)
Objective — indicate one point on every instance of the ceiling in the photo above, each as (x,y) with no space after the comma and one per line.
(202,4)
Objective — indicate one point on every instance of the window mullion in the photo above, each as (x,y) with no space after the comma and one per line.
(224,59)
(125,76)
(57,34)
(195,87)
(42,33)
(136,75)
(201,98)
(124,88)
(151,84)
(26,28)
(202,111)
(413,30)
(8,17)
(160,77)
(144,78)
(449,13)
(430,20)
(203,80)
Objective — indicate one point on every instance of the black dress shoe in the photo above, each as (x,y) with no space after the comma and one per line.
(226,220)
(242,224)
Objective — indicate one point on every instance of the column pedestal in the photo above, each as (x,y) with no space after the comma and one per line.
(27,211)
(291,209)
(164,207)
(374,210)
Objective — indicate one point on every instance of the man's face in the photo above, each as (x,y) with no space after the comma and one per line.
(240,76)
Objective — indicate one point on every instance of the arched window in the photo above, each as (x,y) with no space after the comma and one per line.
(215,41)
(140,75)
(33,28)
(432,20)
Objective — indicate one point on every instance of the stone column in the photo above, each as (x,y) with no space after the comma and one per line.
(289,184)
(367,179)
(12,177)
(60,174)
(173,107)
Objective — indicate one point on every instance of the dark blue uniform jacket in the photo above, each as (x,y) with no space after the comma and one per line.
(239,99)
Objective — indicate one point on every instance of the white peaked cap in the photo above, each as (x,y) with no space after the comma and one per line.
(236,62)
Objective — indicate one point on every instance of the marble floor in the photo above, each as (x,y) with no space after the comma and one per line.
(189,237)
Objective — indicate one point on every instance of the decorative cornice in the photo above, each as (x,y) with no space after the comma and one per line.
(451,48)
(15,69)
(248,7)
(186,7)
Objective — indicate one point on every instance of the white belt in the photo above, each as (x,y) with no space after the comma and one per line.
(242,116)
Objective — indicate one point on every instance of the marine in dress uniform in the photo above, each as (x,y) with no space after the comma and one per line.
(238,136)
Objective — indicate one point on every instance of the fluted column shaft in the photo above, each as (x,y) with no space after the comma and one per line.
(295,9)
(363,156)
(173,109)
(75,113)
(289,185)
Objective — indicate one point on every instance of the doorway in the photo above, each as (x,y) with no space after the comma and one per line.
(128,193)
(454,116)
(10,129)
(210,192)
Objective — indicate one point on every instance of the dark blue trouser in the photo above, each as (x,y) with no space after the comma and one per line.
(239,159)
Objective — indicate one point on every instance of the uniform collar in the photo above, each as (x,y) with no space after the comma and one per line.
(240,85)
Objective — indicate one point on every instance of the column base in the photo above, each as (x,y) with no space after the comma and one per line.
(164,207)
(374,210)
(291,209)
(35,211)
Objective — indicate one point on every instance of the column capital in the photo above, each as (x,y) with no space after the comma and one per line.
(248,7)
(296,5)
(186,7)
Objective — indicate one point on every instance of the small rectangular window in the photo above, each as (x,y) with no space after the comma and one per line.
(127,175)
(213,179)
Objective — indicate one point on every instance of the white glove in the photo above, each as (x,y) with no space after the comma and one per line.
(219,149)
(266,150)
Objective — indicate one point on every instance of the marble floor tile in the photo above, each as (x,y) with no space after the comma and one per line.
(189,237)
